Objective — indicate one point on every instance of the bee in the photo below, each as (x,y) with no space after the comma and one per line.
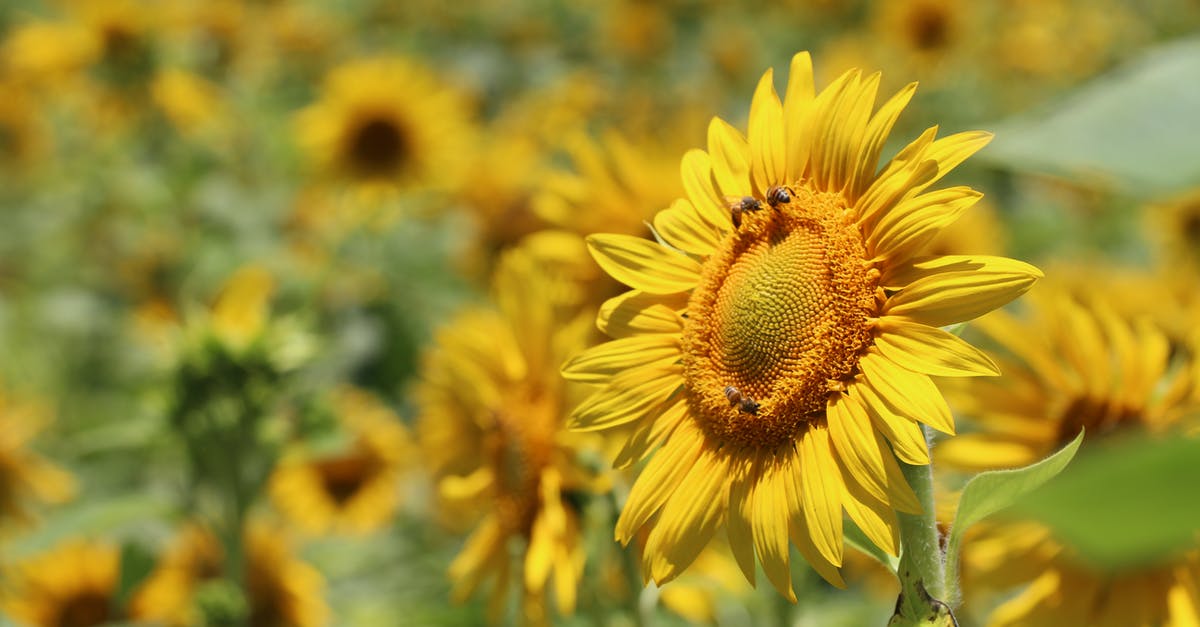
(745,404)
(778,195)
(742,205)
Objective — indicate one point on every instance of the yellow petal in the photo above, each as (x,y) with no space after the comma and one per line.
(874,518)
(766,135)
(876,135)
(826,127)
(629,397)
(800,532)
(658,481)
(856,107)
(650,432)
(682,227)
(643,264)
(769,521)
(730,159)
(539,555)
(600,363)
(917,220)
(690,517)
(913,395)
(908,441)
(890,188)
(948,297)
(797,104)
(697,174)
(929,350)
(741,512)
(952,150)
(866,456)
(637,313)
(821,493)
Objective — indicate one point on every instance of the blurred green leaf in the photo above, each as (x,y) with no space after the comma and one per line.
(98,518)
(1126,504)
(1131,128)
(136,563)
(989,492)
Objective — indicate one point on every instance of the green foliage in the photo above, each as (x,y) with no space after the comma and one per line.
(989,492)
(1131,129)
(1125,504)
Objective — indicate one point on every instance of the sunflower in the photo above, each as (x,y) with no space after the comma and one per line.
(23,135)
(354,490)
(71,585)
(1175,225)
(491,413)
(1072,367)
(281,590)
(190,103)
(783,333)
(926,31)
(24,475)
(389,123)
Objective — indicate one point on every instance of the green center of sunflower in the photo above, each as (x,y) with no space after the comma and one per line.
(778,320)
(378,146)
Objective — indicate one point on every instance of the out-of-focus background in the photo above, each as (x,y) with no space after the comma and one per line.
(230,231)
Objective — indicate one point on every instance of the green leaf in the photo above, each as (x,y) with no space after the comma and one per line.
(989,492)
(1125,504)
(1129,128)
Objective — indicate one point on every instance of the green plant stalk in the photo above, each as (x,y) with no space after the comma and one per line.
(922,567)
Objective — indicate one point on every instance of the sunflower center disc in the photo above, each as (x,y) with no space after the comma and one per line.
(780,314)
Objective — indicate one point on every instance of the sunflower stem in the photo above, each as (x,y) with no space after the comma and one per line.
(922,568)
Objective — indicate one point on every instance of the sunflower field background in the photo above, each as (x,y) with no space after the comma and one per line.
(298,303)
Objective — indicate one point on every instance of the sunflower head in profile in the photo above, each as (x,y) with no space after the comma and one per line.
(72,585)
(1072,365)
(355,489)
(780,337)
(492,412)
(280,590)
(390,123)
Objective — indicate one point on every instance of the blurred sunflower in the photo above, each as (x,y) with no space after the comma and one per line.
(1071,367)
(388,123)
(281,590)
(616,185)
(72,585)
(354,490)
(491,413)
(1175,226)
(239,315)
(785,331)
(45,53)
(191,103)
(925,32)
(24,475)
(23,137)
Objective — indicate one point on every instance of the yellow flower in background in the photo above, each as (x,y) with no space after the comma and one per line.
(925,32)
(779,341)
(1175,227)
(240,313)
(388,123)
(617,185)
(191,103)
(355,490)
(71,585)
(282,591)
(491,412)
(24,475)
(23,136)
(1070,367)
(194,557)
(44,53)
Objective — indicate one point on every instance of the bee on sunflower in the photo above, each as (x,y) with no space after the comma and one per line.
(818,312)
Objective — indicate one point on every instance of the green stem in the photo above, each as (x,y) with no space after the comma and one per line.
(922,553)
(922,568)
